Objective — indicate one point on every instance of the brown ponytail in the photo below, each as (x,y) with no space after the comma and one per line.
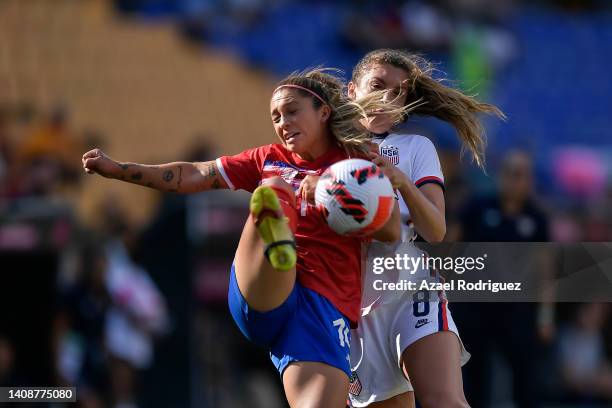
(430,97)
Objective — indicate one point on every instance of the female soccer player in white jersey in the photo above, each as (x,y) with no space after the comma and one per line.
(289,289)
(407,344)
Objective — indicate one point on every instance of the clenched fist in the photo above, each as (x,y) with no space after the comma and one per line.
(96,161)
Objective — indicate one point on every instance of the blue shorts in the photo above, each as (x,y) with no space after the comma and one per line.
(306,327)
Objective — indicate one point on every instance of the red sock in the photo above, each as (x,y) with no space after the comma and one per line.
(287,202)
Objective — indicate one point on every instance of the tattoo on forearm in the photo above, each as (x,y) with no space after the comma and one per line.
(168,175)
(124,166)
(210,171)
(137,176)
(216,184)
(180,178)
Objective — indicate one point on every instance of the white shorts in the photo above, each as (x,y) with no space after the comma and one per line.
(383,334)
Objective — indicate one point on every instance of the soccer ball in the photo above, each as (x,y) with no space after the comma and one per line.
(355,197)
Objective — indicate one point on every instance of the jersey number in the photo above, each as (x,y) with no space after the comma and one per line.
(420,301)
(343,332)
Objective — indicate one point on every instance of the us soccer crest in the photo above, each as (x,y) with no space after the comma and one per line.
(390,152)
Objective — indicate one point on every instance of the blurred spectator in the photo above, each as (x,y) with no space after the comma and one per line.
(475,32)
(586,370)
(52,140)
(416,25)
(471,62)
(481,44)
(49,156)
(110,315)
(511,216)
(426,26)
(137,313)
(79,330)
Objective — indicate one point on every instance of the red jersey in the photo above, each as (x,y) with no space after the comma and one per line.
(328,263)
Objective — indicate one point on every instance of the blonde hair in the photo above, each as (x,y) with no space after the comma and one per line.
(430,97)
(344,121)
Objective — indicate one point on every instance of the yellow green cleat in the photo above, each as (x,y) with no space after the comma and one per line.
(273,227)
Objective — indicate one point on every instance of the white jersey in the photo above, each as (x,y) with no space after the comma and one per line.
(393,320)
(416,157)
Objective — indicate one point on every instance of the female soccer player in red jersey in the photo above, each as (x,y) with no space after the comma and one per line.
(295,284)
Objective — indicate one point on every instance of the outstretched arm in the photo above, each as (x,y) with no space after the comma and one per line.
(176,177)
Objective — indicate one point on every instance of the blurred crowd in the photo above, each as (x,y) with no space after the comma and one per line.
(138,316)
(108,311)
(104,309)
(37,153)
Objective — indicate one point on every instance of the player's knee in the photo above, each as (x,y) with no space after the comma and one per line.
(443,399)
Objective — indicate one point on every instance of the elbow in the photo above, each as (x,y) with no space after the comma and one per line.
(437,236)
(392,234)
(436,239)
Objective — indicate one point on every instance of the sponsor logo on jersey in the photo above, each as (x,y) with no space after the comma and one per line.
(291,174)
(390,152)
(354,384)
(421,323)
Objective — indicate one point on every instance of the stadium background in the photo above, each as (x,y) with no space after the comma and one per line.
(161,80)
